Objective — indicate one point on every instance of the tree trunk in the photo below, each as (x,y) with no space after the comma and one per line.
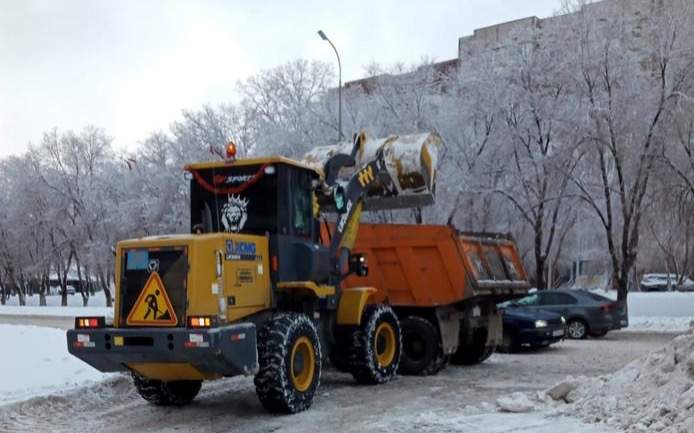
(104,281)
(3,292)
(80,282)
(540,261)
(21,295)
(623,283)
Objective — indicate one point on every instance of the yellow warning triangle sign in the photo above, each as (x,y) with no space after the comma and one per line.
(153,306)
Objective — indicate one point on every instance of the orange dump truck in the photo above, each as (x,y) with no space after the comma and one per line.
(444,286)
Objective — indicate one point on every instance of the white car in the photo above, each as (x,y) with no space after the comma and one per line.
(658,282)
(686,286)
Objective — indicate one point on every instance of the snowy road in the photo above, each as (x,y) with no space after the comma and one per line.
(458,399)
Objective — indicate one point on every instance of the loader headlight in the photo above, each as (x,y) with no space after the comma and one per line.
(358,265)
(540,323)
(563,320)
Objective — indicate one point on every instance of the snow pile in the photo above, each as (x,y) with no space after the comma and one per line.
(518,402)
(652,394)
(97,306)
(470,420)
(659,324)
(38,363)
(12,310)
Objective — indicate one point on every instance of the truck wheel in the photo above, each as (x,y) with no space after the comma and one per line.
(375,350)
(289,358)
(475,352)
(422,352)
(175,393)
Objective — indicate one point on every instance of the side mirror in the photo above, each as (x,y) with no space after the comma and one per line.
(339,198)
(357,265)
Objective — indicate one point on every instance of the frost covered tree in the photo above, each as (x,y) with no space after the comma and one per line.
(630,72)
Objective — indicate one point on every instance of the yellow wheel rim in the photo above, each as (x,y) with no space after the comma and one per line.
(302,364)
(384,344)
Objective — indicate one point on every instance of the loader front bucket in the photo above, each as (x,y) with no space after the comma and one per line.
(411,162)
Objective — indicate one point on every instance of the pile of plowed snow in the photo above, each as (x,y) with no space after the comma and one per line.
(652,394)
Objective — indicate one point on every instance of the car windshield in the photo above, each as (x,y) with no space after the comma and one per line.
(528,300)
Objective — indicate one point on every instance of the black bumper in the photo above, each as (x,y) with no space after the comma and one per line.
(542,336)
(227,351)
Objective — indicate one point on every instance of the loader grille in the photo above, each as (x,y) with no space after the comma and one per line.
(138,264)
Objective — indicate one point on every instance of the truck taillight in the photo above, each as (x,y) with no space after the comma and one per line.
(89,322)
(200,321)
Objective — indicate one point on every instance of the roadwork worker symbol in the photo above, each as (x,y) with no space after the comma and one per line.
(153,306)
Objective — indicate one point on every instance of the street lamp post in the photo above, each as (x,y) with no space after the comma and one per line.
(339,86)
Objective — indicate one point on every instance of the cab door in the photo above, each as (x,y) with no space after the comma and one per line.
(246,276)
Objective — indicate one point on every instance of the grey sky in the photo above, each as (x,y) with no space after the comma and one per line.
(131,66)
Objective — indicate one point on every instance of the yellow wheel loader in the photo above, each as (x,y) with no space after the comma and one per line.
(252,290)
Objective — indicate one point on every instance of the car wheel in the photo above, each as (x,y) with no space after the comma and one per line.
(577,329)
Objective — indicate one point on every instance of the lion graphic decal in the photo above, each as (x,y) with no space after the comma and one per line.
(235,213)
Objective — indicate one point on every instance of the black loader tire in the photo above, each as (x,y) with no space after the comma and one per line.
(422,350)
(289,358)
(175,393)
(374,355)
(475,352)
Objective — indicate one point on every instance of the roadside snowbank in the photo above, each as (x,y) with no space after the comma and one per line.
(659,324)
(97,307)
(37,362)
(652,394)
(472,419)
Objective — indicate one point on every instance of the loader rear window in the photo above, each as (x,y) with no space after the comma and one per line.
(240,202)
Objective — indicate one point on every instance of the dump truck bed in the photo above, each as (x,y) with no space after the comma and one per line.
(433,265)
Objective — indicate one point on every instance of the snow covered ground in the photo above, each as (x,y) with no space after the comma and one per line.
(97,306)
(35,361)
(457,399)
(42,386)
(440,422)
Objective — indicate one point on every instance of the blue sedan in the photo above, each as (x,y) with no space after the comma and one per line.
(530,327)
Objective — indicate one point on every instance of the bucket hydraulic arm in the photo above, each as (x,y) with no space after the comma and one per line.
(392,173)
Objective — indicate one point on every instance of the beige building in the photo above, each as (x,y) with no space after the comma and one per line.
(506,35)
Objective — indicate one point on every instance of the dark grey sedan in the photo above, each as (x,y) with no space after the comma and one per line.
(586,313)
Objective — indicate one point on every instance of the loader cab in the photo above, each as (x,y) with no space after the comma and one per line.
(270,197)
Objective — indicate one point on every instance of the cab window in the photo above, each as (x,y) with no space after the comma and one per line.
(301,206)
